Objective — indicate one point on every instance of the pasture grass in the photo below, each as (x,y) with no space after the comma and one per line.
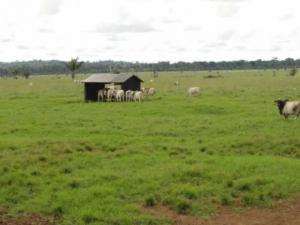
(99,163)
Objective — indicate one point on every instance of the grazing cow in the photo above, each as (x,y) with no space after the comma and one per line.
(138,96)
(151,91)
(288,108)
(144,90)
(111,94)
(193,91)
(129,95)
(120,95)
(101,95)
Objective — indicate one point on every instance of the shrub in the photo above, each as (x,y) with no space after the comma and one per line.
(245,186)
(67,170)
(35,173)
(190,194)
(42,158)
(89,219)
(248,200)
(277,194)
(58,211)
(183,207)
(74,184)
(226,199)
(150,201)
(203,149)
(229,183)
(261,181)
(5,169)
(293,72)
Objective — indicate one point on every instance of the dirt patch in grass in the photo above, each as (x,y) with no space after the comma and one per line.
(28,219)
(284,213)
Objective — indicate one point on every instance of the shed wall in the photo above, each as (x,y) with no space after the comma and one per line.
(91,91)
(132,84)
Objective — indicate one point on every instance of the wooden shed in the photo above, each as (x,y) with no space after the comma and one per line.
(96,82)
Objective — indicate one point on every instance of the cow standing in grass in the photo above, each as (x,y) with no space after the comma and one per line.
(111,94)
(145,90)
(101,95)
(138,96)
(148,91)
(151,91)
(120,95)
(129,95)
(193,91)
(288,108)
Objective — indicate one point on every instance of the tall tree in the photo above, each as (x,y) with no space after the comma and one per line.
(59,67)
(26,74)
(73,65)
(293,72)
(14,71)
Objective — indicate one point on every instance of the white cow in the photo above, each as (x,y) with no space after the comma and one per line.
(288,108)
(111,94)
(193,91)
(129,95)
(144,90)
(101,95)
(151,91)
(120,95)
(138,96)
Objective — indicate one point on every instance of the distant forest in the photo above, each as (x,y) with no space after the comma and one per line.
(59,67)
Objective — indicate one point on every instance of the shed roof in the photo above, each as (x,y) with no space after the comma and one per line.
(109,78)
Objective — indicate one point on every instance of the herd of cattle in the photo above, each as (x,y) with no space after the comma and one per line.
(108,95)
(286,108)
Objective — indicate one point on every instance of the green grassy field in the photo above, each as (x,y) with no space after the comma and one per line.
(99,163)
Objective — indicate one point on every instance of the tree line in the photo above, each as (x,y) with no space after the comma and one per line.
(27,68)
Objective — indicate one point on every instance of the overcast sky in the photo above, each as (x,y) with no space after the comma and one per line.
(149,30)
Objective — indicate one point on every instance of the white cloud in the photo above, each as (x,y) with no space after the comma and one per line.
(6,40)
(227,10)
(230,1)
(50,7)
(22,47)
(149,30)
(214,45)
(115,38)
(287,16)
(193,28)
(226,35)
(125,28)
(45,30)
